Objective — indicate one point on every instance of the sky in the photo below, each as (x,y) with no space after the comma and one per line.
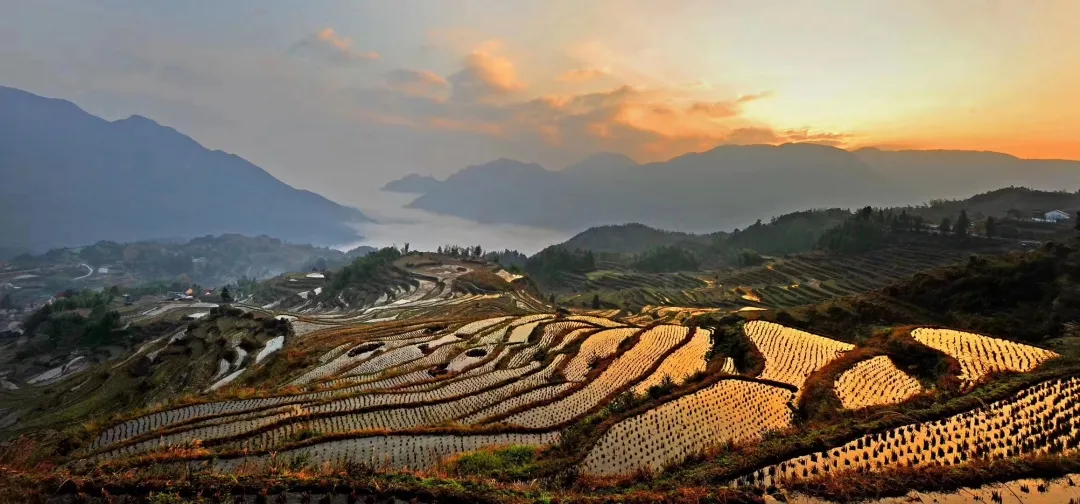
(341,97)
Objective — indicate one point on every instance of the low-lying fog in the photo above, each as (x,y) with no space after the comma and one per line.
(396,225)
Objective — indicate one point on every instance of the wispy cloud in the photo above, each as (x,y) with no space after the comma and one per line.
(583,74)
(416,82)
(646,123)
(329,45)
(728,108)
(486,75)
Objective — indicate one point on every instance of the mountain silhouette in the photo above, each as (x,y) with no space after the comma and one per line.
(412,183)
(728,186)
(69,178)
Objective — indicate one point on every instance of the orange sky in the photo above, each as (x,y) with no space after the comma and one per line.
(978,74)
(342,97)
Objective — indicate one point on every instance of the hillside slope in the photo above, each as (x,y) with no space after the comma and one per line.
(72,178)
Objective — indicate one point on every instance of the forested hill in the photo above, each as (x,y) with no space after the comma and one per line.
(208,261)
(633,239)
(1016,202)
(789,233)
(803,231)
(74,178)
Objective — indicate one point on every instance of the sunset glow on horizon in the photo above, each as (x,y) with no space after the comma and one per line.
(290,85)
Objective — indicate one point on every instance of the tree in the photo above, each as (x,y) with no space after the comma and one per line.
(596,302)
(6,303)
(962,224)
(406,248)
(1013,213)
(946,226)
(749,257)
(991,227)
(439,251)
(226,297)
(901,223)
(478,251)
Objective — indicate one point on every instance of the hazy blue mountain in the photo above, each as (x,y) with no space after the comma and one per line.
(729,186)
(412,183)
(68,178)
(937,174)
(725,187)
(604,164)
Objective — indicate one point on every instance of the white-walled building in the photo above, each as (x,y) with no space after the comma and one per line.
(1056,216)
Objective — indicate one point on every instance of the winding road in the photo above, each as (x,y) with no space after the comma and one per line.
(90,271)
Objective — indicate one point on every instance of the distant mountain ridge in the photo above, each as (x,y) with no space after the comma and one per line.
(412,183)
(729,186)
(68,177)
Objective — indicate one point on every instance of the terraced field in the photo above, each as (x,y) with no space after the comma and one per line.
(409,394)
(731,410)
(1040,419)
(783,283)
(425,371)
(874,382)
(980,356)
(791,356)
(410,380)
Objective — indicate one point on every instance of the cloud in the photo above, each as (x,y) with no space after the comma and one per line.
(725,109)
(483,98)
(329,45)
(485,76)
(804,135)
(416,82)
(582,75)
(752,135)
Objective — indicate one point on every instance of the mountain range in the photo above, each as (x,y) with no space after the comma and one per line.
(728,186)
(69,178)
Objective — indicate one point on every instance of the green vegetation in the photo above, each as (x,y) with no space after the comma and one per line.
(550,262)
(665,258)
(361,270)
(83,318)
(508,463)
(786,234)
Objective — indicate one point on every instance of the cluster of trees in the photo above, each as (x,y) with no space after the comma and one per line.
(548,263)
(509,259)
(62,323)
(362,270)
(461,251)
(1031,297)
(787,234)
(749,257)
(666,258)
(962,226)
(870,228)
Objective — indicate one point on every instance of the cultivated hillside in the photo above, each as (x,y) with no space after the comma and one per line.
(962,376)
(729,186)
(73,178)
